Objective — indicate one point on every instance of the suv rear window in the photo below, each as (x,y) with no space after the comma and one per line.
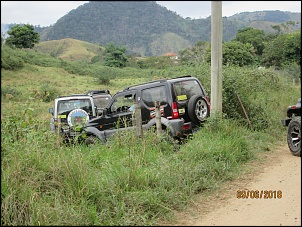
(184,90)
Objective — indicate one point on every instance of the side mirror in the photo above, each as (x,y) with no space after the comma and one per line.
(50,110)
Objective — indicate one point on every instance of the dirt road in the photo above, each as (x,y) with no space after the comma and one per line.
(275,170)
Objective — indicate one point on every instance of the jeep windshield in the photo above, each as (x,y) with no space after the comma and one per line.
(65,106)
(101,101)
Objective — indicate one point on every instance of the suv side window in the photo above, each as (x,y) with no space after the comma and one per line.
(150,95)
(122,103)
(184,90)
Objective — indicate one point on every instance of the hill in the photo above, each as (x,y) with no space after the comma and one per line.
(148,29)
(70,49)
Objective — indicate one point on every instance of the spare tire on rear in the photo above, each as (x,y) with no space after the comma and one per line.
(77,116)
(198,109)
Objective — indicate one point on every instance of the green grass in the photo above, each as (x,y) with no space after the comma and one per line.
(127,181)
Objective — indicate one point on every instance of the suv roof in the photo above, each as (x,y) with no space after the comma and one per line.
(149,83)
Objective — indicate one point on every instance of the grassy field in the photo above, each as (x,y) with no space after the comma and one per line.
(127,181)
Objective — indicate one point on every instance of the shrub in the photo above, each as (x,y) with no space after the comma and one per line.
(47,92)
(9,60)
(9,92)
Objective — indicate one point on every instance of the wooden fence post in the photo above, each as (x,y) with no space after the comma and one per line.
(138,120)
(158,118)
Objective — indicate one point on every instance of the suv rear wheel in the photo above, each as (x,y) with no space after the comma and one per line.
(198,109)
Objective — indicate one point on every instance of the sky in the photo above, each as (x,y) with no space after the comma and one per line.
(46,13)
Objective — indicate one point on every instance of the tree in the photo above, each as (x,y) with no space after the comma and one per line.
(115,56)
(22,36)
(237,53)
(197,54)
(284,50)
(253,36)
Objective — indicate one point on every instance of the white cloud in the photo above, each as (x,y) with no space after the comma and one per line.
(42,13)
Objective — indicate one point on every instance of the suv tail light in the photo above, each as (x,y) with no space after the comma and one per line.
(175,113)
(208,99)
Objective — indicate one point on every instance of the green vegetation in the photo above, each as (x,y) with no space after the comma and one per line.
(251,48)
(127,181)
(22,36)
(115,56)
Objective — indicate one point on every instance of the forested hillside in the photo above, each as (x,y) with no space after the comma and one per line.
(148,29)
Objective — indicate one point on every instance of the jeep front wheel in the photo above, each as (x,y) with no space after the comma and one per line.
(198,109)
(91,140)
(294,136)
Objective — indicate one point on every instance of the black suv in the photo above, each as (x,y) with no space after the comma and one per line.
(293,122)
(184,104)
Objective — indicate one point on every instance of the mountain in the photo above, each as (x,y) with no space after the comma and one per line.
(149,29)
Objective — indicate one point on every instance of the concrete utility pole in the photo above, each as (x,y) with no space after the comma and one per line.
(216,56)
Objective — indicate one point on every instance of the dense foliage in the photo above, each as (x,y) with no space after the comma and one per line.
(283,50)
(115,56)
(237,53)
(251,47)
(255,37)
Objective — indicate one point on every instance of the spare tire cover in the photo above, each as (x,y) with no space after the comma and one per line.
(77,116)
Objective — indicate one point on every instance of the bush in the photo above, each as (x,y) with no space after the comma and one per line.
(47,92)
(245,95)
(9,60)
(104,74)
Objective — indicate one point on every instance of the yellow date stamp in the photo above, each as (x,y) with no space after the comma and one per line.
(259,194)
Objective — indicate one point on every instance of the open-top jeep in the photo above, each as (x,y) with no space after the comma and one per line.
(293,122)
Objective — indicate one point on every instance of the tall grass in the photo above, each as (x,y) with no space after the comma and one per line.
(129,180)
